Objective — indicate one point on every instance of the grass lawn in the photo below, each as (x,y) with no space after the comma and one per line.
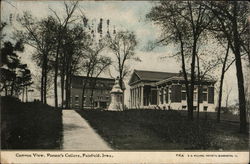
(29,125)
(162,130)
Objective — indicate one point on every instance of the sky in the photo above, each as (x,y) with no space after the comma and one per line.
(124,15)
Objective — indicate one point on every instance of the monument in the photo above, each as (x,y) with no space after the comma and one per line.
(116,97)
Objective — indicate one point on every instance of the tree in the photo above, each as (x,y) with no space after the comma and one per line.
(49,84)
(102,64)
(10,64)
(14,75)
(183,23)
(25,80)
(205,66)
(91,60)
(40,35)
(74,42)
(232,21)
(2,26)
(59,35)
(123,45)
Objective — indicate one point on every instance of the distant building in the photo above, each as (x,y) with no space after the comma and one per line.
(164,90)
(101,92)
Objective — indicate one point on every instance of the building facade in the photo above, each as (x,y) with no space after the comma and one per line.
(96,93)
(164,90)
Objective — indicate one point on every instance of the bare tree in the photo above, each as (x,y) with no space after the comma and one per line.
(63,24)
(205,66)
(39,35)
(232,21)
(102,64)
(90,60)
(73,43)
(123,45)
(184,23)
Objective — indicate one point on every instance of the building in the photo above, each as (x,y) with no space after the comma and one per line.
(96,94)
(164,90)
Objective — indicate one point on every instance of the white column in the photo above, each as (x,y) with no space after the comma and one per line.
(130,97)
(164,95)
(141,96)
(132,101)
(157,95)
(137,96)
(133,97)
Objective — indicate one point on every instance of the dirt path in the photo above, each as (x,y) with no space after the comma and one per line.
(79,135)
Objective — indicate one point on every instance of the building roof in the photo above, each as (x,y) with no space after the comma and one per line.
(152,76)
(98,78)
(159,77)
(100,82)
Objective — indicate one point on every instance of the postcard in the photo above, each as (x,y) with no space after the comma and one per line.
(125,81)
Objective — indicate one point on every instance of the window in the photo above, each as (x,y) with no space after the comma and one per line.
(166,95)
(183,88)
(76,98)
(170,96)
(204,89)
(195,107)
(205,108)
(84,100)
(183,96)
(184,107)
(195,96)
(204,96)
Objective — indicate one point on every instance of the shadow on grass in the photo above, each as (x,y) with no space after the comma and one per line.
(156,130)
(29,125)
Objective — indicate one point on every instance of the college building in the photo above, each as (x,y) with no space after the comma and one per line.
(96,94)
(164,90)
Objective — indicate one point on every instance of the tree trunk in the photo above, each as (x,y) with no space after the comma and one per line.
(23,95)
(223,71)
(83,93)
(123,89)
(239,73)
(67,83)
(184,72)
(62,87)
(242,100)
(67,90)
(220,95)
(92,92)
(6,91)
(198,89)
(45,78)
(55,82)
(190,113)
(42,90)
(26,93)
(12,87)
(92,98)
